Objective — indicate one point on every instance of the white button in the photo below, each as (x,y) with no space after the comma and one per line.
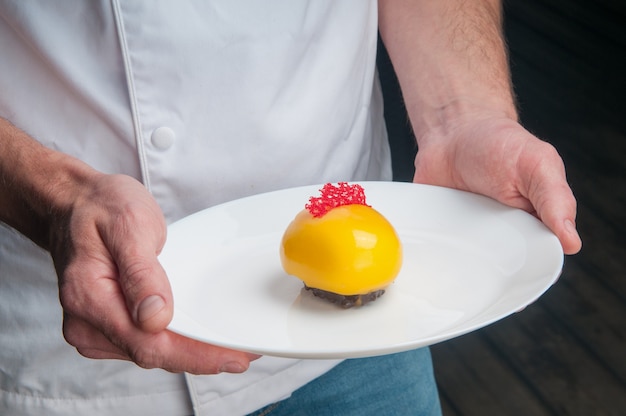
(163,138)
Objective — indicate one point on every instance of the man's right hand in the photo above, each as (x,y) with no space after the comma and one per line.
(104,233)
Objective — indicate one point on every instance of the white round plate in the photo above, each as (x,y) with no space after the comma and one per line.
(468,262)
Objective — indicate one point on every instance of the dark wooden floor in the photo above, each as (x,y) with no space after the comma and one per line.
(566,353)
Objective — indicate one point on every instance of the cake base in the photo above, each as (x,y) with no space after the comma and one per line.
(346,301)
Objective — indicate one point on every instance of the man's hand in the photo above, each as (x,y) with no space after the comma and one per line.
(104,233)
(451,61)
(116,297)
(498,158)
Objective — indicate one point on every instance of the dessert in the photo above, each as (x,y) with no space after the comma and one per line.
(341,248)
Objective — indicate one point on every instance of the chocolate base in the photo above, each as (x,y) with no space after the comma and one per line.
(346,301)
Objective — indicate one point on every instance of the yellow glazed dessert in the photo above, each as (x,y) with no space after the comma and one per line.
(342,248)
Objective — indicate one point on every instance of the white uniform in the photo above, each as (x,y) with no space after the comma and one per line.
(204,102)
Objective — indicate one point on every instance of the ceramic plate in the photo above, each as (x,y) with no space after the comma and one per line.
(468,262)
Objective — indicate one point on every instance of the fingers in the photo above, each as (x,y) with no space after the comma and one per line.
(166,349)
(116,297)
(88,341)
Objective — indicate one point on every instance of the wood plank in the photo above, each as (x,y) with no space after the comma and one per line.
(604,251)
(602,19)
(478,382)
(447,406)
(593,315)
(570,53)
(577,28)
(562,373)
(597,177)
(556,63)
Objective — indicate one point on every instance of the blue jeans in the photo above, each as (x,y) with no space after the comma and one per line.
(396,384)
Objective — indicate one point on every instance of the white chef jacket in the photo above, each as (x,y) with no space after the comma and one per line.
(204,102)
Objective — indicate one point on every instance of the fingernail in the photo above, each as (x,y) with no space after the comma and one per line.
(149,307)
(232,367)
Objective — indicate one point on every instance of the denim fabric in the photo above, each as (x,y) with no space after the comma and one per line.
(396,384)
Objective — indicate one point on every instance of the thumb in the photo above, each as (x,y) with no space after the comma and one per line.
(141,278)
(558,212)
(154,312)
(147,292)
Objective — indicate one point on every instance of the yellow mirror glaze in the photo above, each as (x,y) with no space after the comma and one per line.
(350,250)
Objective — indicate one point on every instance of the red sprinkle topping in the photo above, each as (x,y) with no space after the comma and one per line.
(333,196)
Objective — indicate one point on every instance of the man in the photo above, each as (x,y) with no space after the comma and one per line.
(120,117)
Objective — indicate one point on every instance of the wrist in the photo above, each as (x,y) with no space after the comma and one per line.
(443,120)
(451,61)
(37,184)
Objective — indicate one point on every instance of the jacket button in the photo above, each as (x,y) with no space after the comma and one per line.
(163,138)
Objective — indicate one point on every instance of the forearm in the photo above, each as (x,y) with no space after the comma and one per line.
(450,59)
(36,183)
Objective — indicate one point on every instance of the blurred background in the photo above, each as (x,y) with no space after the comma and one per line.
(566,353)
